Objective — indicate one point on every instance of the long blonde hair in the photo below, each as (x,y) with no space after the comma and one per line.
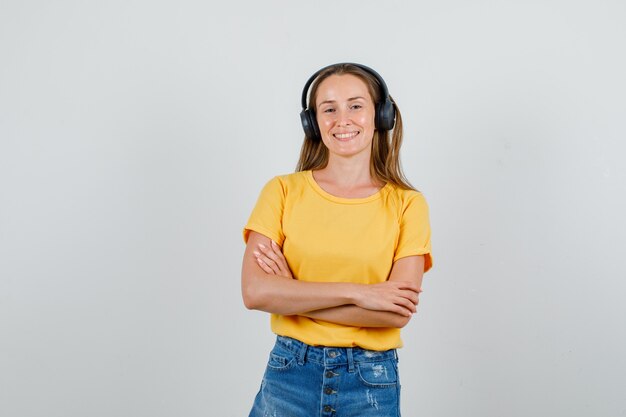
(385,160)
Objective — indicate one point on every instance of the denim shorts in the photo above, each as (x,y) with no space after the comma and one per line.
(310,381)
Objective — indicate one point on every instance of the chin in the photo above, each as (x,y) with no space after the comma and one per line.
(345,153)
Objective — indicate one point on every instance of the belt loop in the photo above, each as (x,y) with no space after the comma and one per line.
(350,360)
(302,353)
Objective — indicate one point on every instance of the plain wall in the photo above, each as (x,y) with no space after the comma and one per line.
(135,137)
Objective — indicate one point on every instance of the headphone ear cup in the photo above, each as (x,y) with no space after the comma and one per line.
(385,115)
(309,124)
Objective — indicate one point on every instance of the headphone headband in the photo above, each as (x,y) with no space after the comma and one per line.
(381,82)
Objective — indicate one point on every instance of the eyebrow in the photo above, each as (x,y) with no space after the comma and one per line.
(333,101)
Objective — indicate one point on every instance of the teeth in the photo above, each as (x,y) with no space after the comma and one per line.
(345,135)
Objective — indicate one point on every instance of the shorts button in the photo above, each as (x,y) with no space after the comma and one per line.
(328,408)
(328,390)
(330,374)
(332,354)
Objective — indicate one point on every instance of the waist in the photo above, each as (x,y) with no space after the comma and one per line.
(334,355)
(321,333)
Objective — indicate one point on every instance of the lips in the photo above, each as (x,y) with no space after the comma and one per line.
(345,136)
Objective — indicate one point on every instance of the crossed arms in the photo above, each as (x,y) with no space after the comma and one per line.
(267,285)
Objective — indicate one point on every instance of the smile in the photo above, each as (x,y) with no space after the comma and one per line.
(345,136)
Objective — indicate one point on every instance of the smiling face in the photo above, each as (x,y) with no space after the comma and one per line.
(345,115)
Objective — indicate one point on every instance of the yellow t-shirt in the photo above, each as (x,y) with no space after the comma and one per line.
(332,239)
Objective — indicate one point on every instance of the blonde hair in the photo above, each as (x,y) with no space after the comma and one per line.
(385,160)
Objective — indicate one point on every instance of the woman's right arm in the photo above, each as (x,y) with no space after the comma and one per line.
(280,294)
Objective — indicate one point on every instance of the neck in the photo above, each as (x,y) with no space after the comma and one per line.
(348,172)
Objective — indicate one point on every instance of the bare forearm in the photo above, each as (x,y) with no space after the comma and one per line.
(289,296)
(351,315)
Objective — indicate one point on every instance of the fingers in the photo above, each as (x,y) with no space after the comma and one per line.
(405,298)
(273,258)
(388,296)
(264,266)
(407,304)
(405,307)
(277,255)
(401,307)
(266,260)
(266,263)
(411,296)
(402,311)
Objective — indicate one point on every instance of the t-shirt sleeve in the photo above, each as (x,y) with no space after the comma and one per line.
(267,215)
(414,236)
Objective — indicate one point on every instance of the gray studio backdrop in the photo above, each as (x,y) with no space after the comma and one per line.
(136,135)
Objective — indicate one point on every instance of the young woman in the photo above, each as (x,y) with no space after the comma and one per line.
(336,253)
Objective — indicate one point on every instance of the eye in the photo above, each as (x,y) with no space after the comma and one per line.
(356,106)
(329,110)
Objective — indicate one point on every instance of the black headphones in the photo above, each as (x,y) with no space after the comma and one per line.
(385,110)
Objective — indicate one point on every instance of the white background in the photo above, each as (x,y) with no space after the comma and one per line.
(136,136)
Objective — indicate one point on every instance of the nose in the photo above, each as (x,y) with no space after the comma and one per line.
(343,118)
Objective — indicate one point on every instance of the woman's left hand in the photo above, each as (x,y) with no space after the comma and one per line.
(272,260)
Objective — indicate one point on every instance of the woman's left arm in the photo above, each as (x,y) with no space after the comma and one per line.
(410,268)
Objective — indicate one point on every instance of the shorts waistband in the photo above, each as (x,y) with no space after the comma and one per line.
(333,355)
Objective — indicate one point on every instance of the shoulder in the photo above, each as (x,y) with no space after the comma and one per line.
(288,181)
(285,184)
(292,179)
(406,198)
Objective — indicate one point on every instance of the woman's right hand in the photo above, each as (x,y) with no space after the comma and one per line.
(400,297)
